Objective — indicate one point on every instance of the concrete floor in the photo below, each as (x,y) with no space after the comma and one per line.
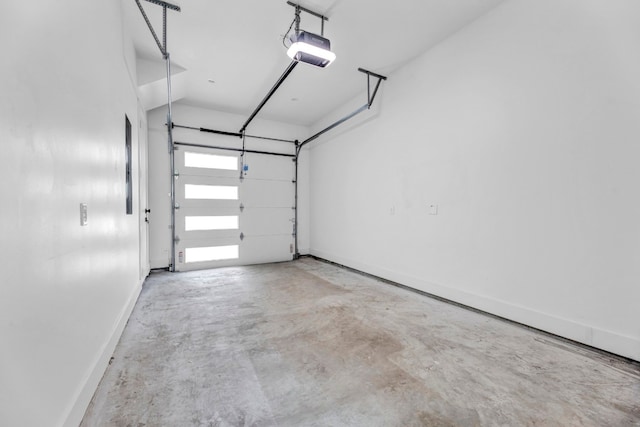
(310,344)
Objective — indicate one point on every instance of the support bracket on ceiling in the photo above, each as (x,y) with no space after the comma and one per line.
(161,45)
(165,4)
(304,9)
(310,12)
(370,96)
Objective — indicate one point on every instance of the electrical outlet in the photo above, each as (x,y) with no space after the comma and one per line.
(433,209)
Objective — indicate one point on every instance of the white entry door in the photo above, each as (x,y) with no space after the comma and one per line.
(223,219)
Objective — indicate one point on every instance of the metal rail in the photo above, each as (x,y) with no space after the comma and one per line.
(275,87)
(235,134)
(335,124)
(296,251)
(239,150)
(370,98)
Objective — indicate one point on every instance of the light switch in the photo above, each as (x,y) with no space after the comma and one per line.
(83,214)
(433,209)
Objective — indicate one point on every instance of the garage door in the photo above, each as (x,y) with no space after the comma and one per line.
(224,219)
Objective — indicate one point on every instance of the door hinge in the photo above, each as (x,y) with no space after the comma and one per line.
(241,236)
(241,207)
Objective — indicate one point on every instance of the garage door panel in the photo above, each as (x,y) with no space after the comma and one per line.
(250,250)
(267,221)
(262,249)
(264,193)
(278,168)
(197,161)
(199,252)
(206,265)
(208,192)
(212,223)
(188,218)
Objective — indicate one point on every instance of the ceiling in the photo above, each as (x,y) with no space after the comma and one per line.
(238,45)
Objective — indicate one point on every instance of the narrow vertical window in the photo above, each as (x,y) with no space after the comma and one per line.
(127,153)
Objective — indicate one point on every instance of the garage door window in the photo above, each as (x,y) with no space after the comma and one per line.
(210,192)
(210,161)
(211,253)
(202,223)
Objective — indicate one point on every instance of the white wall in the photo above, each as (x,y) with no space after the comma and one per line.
(66,290)
(159,175)
(523,128)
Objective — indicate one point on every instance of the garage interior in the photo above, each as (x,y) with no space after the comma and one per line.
(438,228)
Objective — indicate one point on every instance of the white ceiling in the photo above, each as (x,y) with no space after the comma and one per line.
(238,44)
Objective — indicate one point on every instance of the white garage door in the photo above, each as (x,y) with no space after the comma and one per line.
(224,220)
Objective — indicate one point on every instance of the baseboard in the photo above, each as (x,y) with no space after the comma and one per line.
(93,377)
(609,341)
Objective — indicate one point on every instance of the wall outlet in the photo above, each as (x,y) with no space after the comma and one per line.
(433,209)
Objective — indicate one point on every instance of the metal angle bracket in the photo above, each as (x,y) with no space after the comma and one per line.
(161,45)
(309,11)
(371,97)
(165,4)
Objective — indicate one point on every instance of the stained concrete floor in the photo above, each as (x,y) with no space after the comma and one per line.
(307,343)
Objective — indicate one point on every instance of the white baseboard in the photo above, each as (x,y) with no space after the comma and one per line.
(93,377)
(599,338)
(303,251)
